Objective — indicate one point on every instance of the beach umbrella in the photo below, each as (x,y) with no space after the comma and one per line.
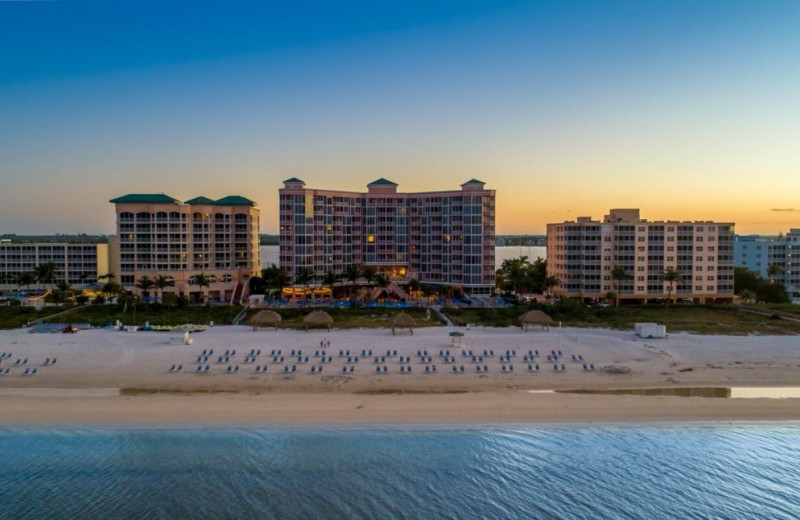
(456,337)
(403,321)
(318,319)
(266,318)
(535,318)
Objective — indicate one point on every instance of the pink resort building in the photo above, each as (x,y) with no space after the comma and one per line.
(583,253)
(438,238)
(160,235)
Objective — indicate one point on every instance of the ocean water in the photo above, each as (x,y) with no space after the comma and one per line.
(688,471)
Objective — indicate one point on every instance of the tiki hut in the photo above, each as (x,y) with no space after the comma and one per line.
(535,318)
(265,318)
(318,319)
(403,321)
(456,337)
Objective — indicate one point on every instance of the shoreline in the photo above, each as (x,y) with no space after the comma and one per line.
(487,408)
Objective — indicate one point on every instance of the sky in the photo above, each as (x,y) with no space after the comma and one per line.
(688,110)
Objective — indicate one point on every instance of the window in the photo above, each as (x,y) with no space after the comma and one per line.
(698,258)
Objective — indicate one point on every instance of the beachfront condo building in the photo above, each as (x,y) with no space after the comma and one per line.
(583,253)
(759,253)
(160,235)
(76,264)
(439,237)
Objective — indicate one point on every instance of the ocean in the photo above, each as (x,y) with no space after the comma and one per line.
(271,254)
(738,471)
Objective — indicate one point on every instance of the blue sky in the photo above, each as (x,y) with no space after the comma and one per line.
(684,109)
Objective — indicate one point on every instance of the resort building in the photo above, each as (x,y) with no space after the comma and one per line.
(160,235)
(438,238)
(582,254)
(759,253)
(75,264)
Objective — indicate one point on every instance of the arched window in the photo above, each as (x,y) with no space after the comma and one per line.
(143,215)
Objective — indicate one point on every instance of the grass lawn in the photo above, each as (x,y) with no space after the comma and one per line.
(699,319)
(355,318)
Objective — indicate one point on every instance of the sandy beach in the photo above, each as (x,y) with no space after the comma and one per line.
(113,377)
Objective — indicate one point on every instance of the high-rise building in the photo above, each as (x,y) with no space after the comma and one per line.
(438,238)
(582,254)
(160,235)
(759,253)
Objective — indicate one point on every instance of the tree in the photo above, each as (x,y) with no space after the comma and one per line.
(257,285)
(65,290)
(747,295)
(26,279)
(413,286)
(162,282)
(671,276)
(765,290)
(144,284)
(382,281)
(352,274)
(773,271)
(330,279)
(111,288)
(369,273)
(618,274)
(275,278)
(45,273)
(304,277)
(200,280)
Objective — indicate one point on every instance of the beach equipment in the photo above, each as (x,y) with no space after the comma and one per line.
(456,338)
(385,369)
(535,318)
(352,368)
(266,318)
(403,321)
(318,319)
(563,368)
(461,369)
(433,368)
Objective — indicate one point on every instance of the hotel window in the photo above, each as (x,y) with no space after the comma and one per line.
(670,239)
(698,258)
(640,268)
(698,288)
(698,268)
(698,248)
(640,279)
(709,278)
(710,288)
(670,259)
(670,229)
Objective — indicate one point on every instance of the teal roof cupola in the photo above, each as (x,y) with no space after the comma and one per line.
(145,198)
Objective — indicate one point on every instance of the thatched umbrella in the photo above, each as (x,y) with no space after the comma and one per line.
(403,321)
(535,318)
(318,319)
(265,318)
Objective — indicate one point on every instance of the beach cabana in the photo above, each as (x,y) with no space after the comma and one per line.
(403,321)
(265,318)
(456,336)
(318,319)
(535,318)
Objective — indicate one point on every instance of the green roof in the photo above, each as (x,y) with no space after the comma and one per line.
(234,200)
(474,181)
(383,181)
(145,198)
(200,200)
(293,179)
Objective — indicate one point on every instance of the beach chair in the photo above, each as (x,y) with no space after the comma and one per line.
(463,353)
(179,369)
(285,369)
(236,368)
(272,352)
(530,367)
(503,367)
(211,352)
(299,352)
(370,352)
(227,352)
(34,371)
(427,369)
(352,368)
(441,353)
(258,369)
(536,367)
(199,368)
(408,369)
(319,370)
(258,352)
(563,368)
(388,352)
(560,354)
(514,353)
(294,368)
(510,368)
(281,359)
(313,370)
(591,367)
(341,353)
(419,353)
(219,359)
(293,353)
(280,353)
(402,369)
(446,352)
(347,353)
(171,368)
(385,369)
(206,370)
(574,358)
(229,369)
(477,368)
(394,353)
(316,353)
(377,369)
(461,369)
(555,368)
(433,369)
(363,352)
(355,359)
(580,357)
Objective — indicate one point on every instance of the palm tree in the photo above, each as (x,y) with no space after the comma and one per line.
(369,272)
(275,278)
(672,276)
(304,277)
(329,279)
(413,286)
(618,274)
(26,279)
(64,288)
(773,271)
(382,281)
(45,273)
(200,280)
(162,282)
(111,288)
(144,284)
(352,274)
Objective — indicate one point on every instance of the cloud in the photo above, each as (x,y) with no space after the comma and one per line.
(785,209)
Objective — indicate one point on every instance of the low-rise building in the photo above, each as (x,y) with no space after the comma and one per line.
(75,264)
(583,253)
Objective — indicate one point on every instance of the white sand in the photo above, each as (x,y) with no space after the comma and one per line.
(106,360)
